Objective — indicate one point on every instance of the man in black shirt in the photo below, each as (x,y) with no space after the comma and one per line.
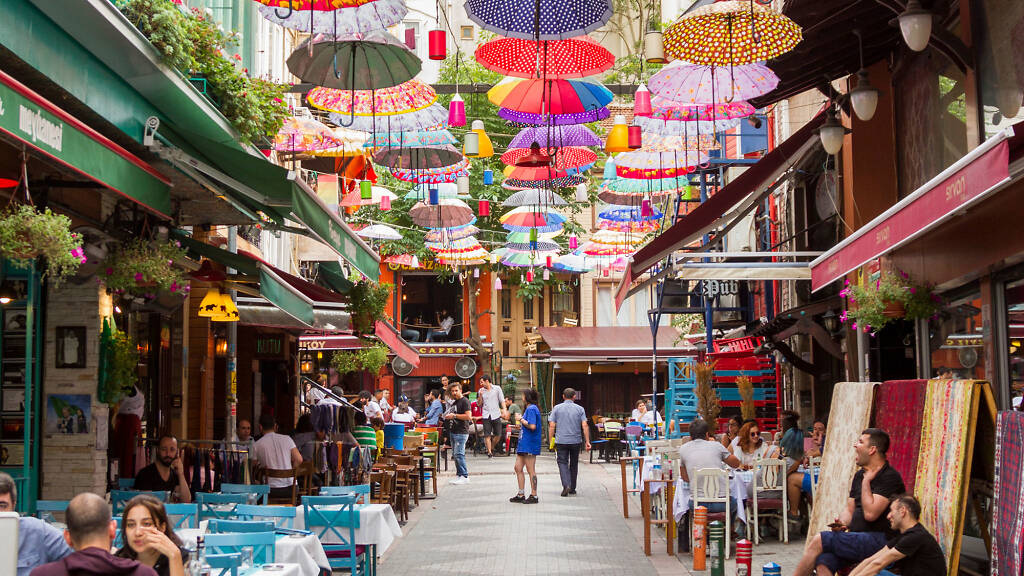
(874,485)
(460,418)
(165,474)
(913,551)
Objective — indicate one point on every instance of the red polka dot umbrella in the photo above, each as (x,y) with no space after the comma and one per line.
(565,158)
(731,32)
(577,57)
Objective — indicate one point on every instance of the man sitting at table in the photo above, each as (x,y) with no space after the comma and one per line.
(434,408)
(38,542)
(166,473)
(701,452)
(276,452)
(874,485)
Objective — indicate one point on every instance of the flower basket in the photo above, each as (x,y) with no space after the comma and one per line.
(141,268)
(894,309)
(27,234)
(872,306)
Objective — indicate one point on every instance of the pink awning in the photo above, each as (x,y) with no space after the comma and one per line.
(389,336)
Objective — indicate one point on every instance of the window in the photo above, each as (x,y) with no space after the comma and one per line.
(528,308)
(1015,334)
(956,340)
(430,308)
(412,37)
(605,305)
(1000,52)
(506,304)
(467,33)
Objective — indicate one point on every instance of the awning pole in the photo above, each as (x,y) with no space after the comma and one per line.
(654,319)
(232,368)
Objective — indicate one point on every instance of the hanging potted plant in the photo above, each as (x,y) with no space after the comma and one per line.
(27,234)
(143,268)
(370,358)
(891,296)
(367,301)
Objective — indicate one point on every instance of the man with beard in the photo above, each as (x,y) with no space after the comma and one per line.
(166,473)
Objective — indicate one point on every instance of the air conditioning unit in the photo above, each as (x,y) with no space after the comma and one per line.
(401,367)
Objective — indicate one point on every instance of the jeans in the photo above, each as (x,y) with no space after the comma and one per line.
(568,463)
(459,453)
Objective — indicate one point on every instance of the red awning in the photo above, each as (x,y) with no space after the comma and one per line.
(610,343)
(980,173)
(709,215)
(332,342)
(388,335)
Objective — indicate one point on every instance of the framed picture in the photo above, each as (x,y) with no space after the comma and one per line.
(68,413)
(71,347)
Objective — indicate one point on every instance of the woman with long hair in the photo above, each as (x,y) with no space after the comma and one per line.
(528,448)
(149,537)
(750,447)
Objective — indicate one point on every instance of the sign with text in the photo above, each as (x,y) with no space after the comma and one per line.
(270,346)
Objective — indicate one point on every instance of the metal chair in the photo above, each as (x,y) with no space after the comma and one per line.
(769,494)
(261,490)
(125,483)
(280,516)
(705,487)
(219,506)
(337,516)
(362,491)
(217,526)
(45,509)
(814,470)
(183,515)
(262,544)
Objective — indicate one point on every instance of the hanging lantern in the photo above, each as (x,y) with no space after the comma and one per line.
(210,306)
(635,138)
(476,272)
(410,38)
(488,177)
(462,182)
(437,45)
(485,148)
(604,272)
(497,283)
(484,208)
(642,101)
(471,146)
(609,169)
(582,194)
(433,196)
(546,274)
(365,190)
(385,203)
(618,137)
(529,276)
(548,262)
(457,111)
(533,238)
(654,47)
(646,211)
(574,242)
(228,310)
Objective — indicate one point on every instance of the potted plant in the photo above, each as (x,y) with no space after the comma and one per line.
(142,268)
(27,234)
(891,296)
(370,358)
(120,359)
(367,301)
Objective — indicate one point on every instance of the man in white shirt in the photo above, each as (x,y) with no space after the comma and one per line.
(492,404)
(371,408)
(276,452)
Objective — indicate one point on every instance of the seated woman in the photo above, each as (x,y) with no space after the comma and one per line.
(749,446)
(792,449)
(818,447)
(149,537)
(638,412)
(731,437)
(402,414)
(445,323)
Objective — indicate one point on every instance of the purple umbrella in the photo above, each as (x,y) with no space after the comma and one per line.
(691,85)
(557,19)
(560,136)
(553,119)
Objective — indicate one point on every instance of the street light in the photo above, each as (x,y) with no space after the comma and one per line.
(863,95)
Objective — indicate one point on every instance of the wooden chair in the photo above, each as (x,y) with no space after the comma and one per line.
(431,456)
(289,473)
(769,494)
(706,486)
(304,478)
(383,482)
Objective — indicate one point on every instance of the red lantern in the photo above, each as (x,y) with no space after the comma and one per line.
(385,203)
(642,101)
(437,45)
(574,242)
(529,276)
(604,272)
(484,208)
(635,139)
(548,262)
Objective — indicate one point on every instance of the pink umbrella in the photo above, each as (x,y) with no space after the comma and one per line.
(692,85)
(305,135)
(665,109)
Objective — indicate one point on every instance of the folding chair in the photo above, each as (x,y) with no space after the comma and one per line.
(814,470)
(261,490)
(769,494)
(705,488)
(262,544)
(281,516)
(45,509)
(118,498)
(337,516)
(224,564)
(183,515)
(361,490)
(219,506)
(239,526)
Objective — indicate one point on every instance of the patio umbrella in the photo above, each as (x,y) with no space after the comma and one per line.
(355,16)
(731,32)
(430,118)
(448,234)
(576,57)
(433,175)
(569,158)
(422,191)
(670,110)
(555,97)
(669,127)
(409,260)
(514,259)
(642,228)
(555,137)
(376,193)
(415,138)
(528,119)
(623,213)
(694,84)
(401,99)
(560,182)
(447,213)
(304,135)
(535,197)
(419,157)
(368,61)
(574,263)
(539,19)
(380,232)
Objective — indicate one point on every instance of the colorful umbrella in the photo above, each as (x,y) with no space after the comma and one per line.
(615,238)
(607,194)
(528,119)
(662,186)
(449,234)
(539,19)
(592,250)
(418,158)
(663,109)
(731,32)
(535,197)
(572,263)
(693,84)
(466,244)
(555,97)
(352,142)
(433,175)
(540,174)
(542,246)
(407,97)
(353,17)
(380,232)
(656,143)
(409,260)
(556,137)
(568,159)
(623,213)
(629,226)
(526,259)
(560,182)
(416,138)
(531,217)
(577,57)
(665,161)
(355,61)
(422,191)
(304,135)
(431,118)
(666,127)
(524,237)
(449,212)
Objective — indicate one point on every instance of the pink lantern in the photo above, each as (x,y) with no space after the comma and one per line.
(634,139)
(385,203)
(642,101)
(574,242)
(410,38)
(604,272)
(457,111)
(497,283)
(529,276)
(548,262)
(646,211)
(484,208)
(437,45)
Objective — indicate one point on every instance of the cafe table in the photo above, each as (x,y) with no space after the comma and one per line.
(303,551)
(378,526)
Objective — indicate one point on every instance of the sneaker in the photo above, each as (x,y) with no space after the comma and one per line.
(489,455)
(530,500)
(517,498)
(460,480)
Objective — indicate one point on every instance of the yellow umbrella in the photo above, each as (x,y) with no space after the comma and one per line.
(731,33)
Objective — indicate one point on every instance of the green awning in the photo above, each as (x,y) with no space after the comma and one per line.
(331,275)
(244,264)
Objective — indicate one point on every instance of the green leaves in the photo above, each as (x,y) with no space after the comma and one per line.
(144,269)
(26,234)
(371,358)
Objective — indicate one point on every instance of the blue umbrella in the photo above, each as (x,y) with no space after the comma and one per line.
(622,214)
(557,19)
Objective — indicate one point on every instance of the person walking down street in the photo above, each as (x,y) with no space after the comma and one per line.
(460,418)
(567,423)
(492,400)
(528,448)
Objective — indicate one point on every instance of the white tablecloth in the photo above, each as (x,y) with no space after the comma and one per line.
(377,526)
(738,482)
(276,569)
(304,551)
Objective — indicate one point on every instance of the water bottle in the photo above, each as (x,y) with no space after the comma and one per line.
(197,565)
(656,470)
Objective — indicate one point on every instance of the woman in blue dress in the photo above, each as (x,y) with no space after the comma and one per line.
(528,448)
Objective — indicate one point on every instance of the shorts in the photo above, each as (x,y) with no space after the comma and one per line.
(840,549)
(492,427)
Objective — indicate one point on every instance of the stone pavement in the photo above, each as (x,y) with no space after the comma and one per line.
(473,529)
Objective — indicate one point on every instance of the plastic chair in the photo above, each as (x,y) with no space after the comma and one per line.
(221,506)
(183,515)
(281,516)
(705,487)
(46,508)
(262,544)
(217,526)
(769,494)
(262,490)
(125,483)
(227,564)
(337,515)
(118,498)
(361,490)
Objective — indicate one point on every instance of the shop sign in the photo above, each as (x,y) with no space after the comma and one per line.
(424,265)
(329,343)
(715,288)
(270,345)
(435,350)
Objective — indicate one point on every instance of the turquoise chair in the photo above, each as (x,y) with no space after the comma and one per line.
(183,515)
(125,483)
(118,498)
(227,564)
(262,544)
(118,541)
(46,508)
(337,515)
(281,516)
(239,526)
(220,506)
(363,490)
(263,490)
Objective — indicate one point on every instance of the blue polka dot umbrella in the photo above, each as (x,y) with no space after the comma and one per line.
(621,214)
(557,19)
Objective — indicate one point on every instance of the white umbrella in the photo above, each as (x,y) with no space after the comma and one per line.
(380,232)
(535,197)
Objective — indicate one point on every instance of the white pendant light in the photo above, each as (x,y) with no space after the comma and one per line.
(462,184)
(916,26)
(582,194)
(654,47)
(471,147)
(831,134)
(864,97)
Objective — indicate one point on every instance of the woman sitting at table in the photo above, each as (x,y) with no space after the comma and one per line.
(402,414)
(749,447)
(731,437)
(149,538)
(792,449)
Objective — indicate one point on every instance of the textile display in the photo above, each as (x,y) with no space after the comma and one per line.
(1008,515)
(848,417)
(899,408)
(940,466)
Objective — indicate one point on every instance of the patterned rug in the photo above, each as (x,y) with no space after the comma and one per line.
(899,409)
(849,416)
(1008,516)
(940,466)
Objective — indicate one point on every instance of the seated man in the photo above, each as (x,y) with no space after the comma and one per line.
(434,408)
(165,474)
(445,323)
(703,451)
(276,452)
(874,485)
(913,552)
(38,542)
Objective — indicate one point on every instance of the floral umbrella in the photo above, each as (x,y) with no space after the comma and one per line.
(668,127)
(556,19)
(356,199)
(448,213)
(409,139)
(576,57)
(433,175)
(615,238)
(666,161)
(352,142)
(654,189)
(528,119)
(409,260)
(422,191)
(535,197)
(327,16)
(431,118)
(419,157)
(656,143)
(449,234)
(380,232)
(692,84)
(568,159)
(368,61)
(623,213)
(304,135)
(663,109)
(592,250)
(731,32)
(407,97)
(560,182)
(555,137)
(555,97)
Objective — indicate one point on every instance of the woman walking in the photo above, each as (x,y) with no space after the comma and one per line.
(528,448)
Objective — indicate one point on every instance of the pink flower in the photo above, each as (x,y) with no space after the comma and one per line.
(110,271)
(854,325)
(842,317)
(138,276)
(174,286)
(912,290)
